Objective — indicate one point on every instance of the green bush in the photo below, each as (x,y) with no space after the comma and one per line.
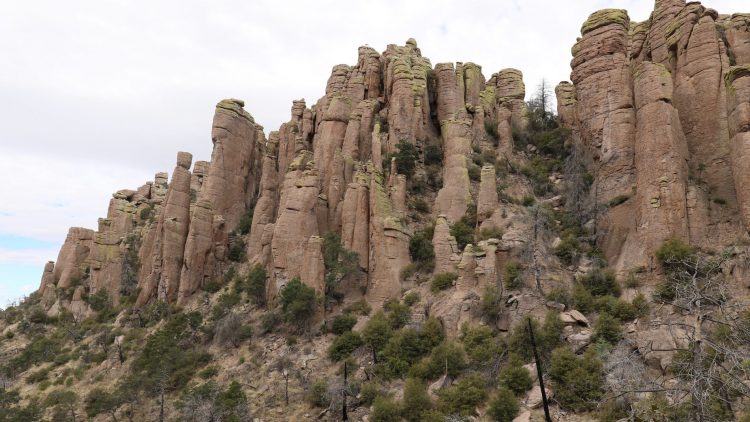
(443,281)
(411,298)
(674,250)
(384,409)
(504,407)
(376,333)
(398,314)
(480,343)
(448,357)
(515,377)
(339,263)
(600,283)
(475,172)
(492,304)
(100,401)
(576,381)
(463,231)
(343,323)
(317,394)
(344,345)
(169,357)
(416,401)
(433,155)
(548,336)
(406,158)
(463,398)
(420,205)
(421,250)
(607,328)
(255,284)
(368,392)
(298,302)
(490,233)
(237,249)
(513,274)
(246,222)
(568,250)
(407,346)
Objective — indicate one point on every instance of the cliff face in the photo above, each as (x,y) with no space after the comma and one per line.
(655,108)
(323,171)
(659,113)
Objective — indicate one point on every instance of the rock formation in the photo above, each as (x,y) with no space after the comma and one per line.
(650,107)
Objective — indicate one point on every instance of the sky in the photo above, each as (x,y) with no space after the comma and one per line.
(99,95)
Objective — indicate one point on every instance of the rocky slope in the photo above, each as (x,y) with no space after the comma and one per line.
(656,132)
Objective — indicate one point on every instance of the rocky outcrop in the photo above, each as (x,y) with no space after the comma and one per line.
(661,161)
(233,174)
(650,110)
(738,106)
(389,244)
(170,236)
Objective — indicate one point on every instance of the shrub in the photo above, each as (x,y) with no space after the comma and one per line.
(376,333)
(384,409)
(402,351)
(600,283)
(443,281)
(368,392)
(475,172)
(577,381)
(360,308)
(406,158)
(344,345)
(255,284)
(463,398)
(528,200)
(398,314)
(269,321)
(513,274)
(100,401)
(433,155)
(297,302)
(421,250)
(237,252)
(448,357)
(515,377)
(411,298)
(490,233)
(246,222)
(224,304)
(317,394)
(548,336)
(492,304)
(559,295)
(674,250)
(504,407)
(490,127)
(339,263)
(343,323)
(582,299)
(480,343)
(416,401)
(607,328)
(420,205)
(463,231)
(568,249)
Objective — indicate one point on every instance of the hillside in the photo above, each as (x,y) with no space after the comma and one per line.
(382,254)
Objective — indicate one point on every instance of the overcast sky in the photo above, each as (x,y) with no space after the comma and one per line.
(100,95)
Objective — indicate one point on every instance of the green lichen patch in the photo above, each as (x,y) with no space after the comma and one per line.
(606,17)
(735,72)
